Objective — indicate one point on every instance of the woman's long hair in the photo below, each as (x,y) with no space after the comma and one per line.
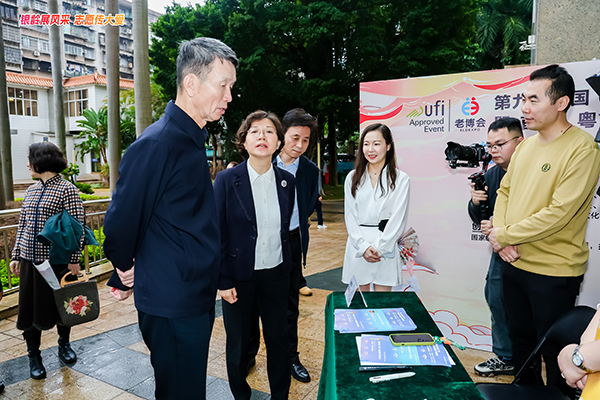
(360,165)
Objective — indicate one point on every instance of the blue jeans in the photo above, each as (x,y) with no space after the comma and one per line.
(501,344)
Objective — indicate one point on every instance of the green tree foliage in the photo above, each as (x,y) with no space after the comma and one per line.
(501,25)
(314,54)
(95,128)
(95,132)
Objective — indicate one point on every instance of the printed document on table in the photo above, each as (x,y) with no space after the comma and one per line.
(379,350)
(372,320)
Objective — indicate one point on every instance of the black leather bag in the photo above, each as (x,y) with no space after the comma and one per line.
(77,302)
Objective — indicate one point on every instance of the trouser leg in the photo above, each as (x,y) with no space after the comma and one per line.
(271,295)
(178,353)
(240,320)
(293,302)
(501,344)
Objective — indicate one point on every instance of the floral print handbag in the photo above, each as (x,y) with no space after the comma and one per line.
(77,301)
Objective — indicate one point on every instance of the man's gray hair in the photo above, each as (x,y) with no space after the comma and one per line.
(196,55)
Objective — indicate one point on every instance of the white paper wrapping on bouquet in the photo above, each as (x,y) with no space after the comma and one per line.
(408,245)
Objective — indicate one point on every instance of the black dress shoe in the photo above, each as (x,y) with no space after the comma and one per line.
(251,363)
(299,373)
(36,368)
(66,353)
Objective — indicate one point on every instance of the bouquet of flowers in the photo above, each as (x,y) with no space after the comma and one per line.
(408,244)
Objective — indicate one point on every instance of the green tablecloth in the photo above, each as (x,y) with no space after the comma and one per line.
(340,378)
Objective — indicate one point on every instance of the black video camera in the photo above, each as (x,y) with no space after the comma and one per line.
(460,156)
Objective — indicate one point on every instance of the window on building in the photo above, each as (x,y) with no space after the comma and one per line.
(11,33)
(8,12)
(12,55)
(23,3)
(44,46)
(77,101)
(74,50)
(29,42)
(22,102)
(40,5)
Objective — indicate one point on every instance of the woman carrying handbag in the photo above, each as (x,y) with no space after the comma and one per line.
(49,196)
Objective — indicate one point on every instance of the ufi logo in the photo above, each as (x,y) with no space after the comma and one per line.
(470,107)
(546,167)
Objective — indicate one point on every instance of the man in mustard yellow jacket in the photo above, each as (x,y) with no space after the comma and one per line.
(540,218)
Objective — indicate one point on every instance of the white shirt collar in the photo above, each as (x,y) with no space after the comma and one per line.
(269,175)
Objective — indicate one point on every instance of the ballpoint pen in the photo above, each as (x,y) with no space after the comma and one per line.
(372,368)
(384,378)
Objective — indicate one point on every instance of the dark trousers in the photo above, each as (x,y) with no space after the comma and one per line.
(178,353)
(266,292)
(501,344)
(319,210)
(533,303)
(293,302)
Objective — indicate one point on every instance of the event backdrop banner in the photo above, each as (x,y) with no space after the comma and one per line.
(424,114)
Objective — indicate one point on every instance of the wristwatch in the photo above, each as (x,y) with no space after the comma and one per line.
(578,361)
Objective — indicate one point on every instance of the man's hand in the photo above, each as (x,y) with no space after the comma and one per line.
(15,268)
(573,375)
(371,255)
(126,277)
(478,196)
(510,254)
(493,240)
(486,226)
(119,294)
(229,295)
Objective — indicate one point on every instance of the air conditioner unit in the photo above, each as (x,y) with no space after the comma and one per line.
(36,53)
(129,31)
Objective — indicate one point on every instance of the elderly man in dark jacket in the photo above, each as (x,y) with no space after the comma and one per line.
(162,218)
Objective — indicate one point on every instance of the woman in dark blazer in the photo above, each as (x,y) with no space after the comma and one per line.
(254,205)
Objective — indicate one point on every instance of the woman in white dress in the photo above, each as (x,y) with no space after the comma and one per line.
(375,209)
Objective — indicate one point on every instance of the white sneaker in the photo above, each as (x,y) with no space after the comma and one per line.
(322,227)
(495,366)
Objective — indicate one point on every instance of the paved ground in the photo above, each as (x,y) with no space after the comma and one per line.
(114,363)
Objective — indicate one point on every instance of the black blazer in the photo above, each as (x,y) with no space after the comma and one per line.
(307,188)
(162,214)
(237,220)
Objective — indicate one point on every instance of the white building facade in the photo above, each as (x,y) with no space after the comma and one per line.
(31,114)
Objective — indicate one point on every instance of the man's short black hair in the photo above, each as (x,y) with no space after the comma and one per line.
(299,117)
(562,83)
(513,125)
(46,157)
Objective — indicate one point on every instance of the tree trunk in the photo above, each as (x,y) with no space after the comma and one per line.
(141,67)
(112,84)
(4,132)
(332,142)
(56,58)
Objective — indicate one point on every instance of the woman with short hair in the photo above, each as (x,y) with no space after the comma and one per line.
(50,195)
(254,205)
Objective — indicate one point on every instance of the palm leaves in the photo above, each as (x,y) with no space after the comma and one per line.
(95,126)
(501,25)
